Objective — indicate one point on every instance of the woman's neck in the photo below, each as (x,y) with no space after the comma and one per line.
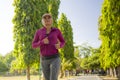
(48,28)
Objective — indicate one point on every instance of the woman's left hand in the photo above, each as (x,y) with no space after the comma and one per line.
(57,46)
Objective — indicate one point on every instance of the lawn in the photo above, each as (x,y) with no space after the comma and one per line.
(23,78)
(19,78)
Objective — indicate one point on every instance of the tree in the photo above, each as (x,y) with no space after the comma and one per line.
(53,9)
(94,61)
(26,21)
(109,27)
(85,50)
(8,58)
(77,60)
(3,66)
(65,27)
(67,53)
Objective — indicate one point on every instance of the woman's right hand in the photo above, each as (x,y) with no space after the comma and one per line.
(45,40)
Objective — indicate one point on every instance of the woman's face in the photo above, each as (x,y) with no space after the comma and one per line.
(47,20)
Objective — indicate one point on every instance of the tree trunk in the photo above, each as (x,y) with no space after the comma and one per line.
(115,72)
(108,71)
(118,72)
(111,72)
(28,72)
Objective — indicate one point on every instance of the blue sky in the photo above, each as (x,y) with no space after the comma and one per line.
(83,15)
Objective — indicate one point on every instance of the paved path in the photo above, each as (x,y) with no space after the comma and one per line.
(87,77)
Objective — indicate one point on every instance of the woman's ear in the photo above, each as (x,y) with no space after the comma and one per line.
(42,22)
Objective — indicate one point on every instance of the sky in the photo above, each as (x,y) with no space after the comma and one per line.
(83,15)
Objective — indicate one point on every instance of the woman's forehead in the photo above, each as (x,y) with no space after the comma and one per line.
(46,15)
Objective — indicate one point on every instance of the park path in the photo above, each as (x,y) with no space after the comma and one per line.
(86,77)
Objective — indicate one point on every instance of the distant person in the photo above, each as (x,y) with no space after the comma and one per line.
(49,39)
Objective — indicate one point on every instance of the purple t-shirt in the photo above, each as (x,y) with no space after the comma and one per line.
(53,37)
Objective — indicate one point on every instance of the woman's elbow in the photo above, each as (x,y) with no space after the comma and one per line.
(34,46)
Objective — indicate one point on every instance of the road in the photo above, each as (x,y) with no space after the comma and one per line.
(87,77)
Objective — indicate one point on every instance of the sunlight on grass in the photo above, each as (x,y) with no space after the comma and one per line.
(24,78)
(19,78)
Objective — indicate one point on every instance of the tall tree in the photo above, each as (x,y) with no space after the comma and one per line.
(53,9)
(109,23)
(65,27)
(26,21)
(67,53)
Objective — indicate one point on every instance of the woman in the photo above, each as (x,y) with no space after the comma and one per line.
(49,40)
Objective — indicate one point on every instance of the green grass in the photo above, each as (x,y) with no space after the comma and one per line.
(23,78)
(19,78)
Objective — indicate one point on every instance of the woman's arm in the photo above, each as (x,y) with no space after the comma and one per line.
(36,42)
(61,39)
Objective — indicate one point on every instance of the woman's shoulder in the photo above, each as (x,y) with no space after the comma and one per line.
(54,28)
(39,30)
(57,30)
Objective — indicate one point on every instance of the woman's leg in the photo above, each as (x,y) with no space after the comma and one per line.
(54,68)
(46,69)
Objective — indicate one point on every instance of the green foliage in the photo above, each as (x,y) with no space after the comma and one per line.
(27,19)
(9,57)
(94,62)
(65,27)
(1,57)
(85,50)
(53,9)
(109,26)
(91,59)
(67,52)
(68,64)
(3,66)
(78,58)
(77,52)
(18,63)
(84,63)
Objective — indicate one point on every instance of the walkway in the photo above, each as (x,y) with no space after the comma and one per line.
(87,77)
